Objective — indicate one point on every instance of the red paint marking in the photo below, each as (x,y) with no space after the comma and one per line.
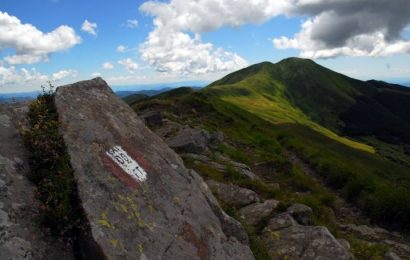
(119,173)
(137,156)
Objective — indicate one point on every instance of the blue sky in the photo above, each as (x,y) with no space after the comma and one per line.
(177,41)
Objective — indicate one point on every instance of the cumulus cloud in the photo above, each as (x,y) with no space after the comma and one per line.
(132,23)
(330,28)
(349,28)
(23,79)
(30,44)
(89,27)
(62,74)
(171,47)
(96,74)
(107,65)
(129,65)
(120,48)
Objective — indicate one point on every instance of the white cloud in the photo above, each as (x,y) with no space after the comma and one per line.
(132,23)
(205,15)
(89,27)
(129,65)
(120,48)
(170,48)
(107,66)
(30,44)
(62,74)
(25,79)
(331,28)
(96,74)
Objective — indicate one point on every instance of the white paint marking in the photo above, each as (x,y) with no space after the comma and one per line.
(129,165)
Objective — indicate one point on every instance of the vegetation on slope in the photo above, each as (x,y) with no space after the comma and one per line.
(252,140)
(268,111)
(51,171)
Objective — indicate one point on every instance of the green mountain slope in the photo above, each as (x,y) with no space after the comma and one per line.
(301,91)
(267,110)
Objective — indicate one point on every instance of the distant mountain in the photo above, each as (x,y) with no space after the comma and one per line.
(7,97)
(159,86)
(307,93)
(147,92)
(131,99)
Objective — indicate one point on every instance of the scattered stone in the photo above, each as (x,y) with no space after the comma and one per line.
(255,213)
(281,221)
(400,248)
(391,256)
(140,200)
(241,168)
(217,137)
(301,213)
(189,140)
(233,195)
(152,118)
(366,231)
(288,240)
(344,243)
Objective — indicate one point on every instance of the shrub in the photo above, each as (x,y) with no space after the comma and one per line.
(51,170)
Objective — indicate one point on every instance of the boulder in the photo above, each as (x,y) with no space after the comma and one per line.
(138,197)
(391,256)
(344,243)
(281,221)
(301,213)
(367,232)
(233,195)
(217,137)
(285,239)
(189,140)
(152,118)
(255,213)
(21,237)
(241,168)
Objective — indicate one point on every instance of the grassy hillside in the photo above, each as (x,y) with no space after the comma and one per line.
(296,105)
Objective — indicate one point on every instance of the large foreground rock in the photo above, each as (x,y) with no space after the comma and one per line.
(21,236)
(140,200)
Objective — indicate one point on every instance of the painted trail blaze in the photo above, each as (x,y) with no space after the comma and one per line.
(127,163)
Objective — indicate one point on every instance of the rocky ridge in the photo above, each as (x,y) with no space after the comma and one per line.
(162,210)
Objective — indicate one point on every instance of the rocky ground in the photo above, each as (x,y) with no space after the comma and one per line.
(21,236)
(141,202)
(286,233)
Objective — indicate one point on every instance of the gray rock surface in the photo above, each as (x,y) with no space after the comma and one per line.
(170,214)
(241,168)
(21,237)
(233,195)
(152,118)
(391,256)
(281,221)
(255,213)
(189,140)
(285,239)
(301,213)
